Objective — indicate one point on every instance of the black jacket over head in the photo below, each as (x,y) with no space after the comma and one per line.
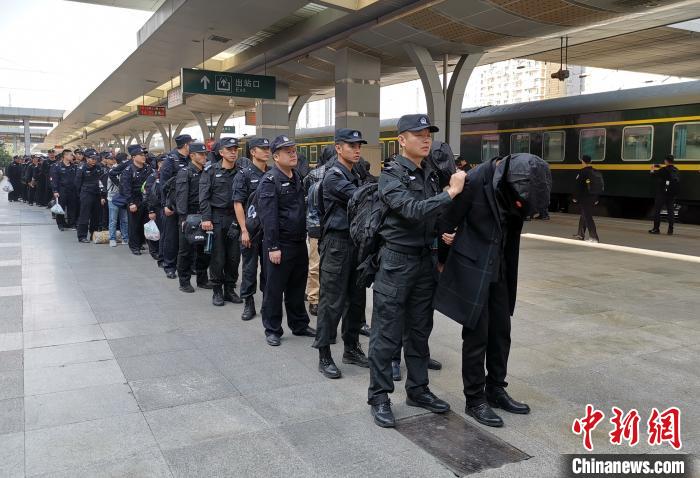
(485,250)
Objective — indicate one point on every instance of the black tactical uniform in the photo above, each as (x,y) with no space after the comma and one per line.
(171,165)
(244,185)
(63,183)
(282,214)
(14,175)
(90,192)
(586,202)
(340,295)
(404,285)
(131,183)
(32,175)
(667,184)
(216,205)
(46,187)
(187,202)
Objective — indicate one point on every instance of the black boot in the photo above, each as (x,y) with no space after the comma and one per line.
(497,397)
(231,296)
(326,365)
(484,414)
(186,287)
(203,282)
(218,297)
(249,309)
(354,355)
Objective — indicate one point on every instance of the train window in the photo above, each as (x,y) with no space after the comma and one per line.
(302,150)
(489,147)
(686,141)
(519,143)
(591,142)
(313,154)
(637,143)
(391,148)
(553,145)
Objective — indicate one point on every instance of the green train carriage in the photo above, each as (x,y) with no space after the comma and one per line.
(624,132)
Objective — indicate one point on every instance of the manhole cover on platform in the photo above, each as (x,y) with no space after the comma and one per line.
(462,447)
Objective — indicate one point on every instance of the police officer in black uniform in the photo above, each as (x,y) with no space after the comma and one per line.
(667,185)
(339,294)
(63,187)
(91,193)
(14,175)
(177,159)
(218,215)
(282,214)
(131,180)
(586,201)
(404,285)
(187,202)
(245,184)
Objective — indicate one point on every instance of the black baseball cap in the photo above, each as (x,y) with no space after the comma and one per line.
(347,135)
(183,139)
(227,143)
(135,149)
(198,148)
(92,153)
(415,123)
(281,141)
(258,143)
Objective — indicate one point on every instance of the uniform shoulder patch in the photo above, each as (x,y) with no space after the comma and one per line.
(207,167)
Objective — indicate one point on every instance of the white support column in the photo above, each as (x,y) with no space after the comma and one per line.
(27,137)
(202,122)
(429,77)
(357,85)
(147,139)
(120,143)
(454,98)
(220,124)
(272,116)
(298,104)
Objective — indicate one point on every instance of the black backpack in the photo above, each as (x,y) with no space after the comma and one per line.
(597,184)
(168,192)
(252,219)
(366,214)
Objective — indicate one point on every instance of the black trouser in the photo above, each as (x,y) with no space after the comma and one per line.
(339,294)
(136,221)
(226,253)
(661,201)
(40,197)
(586,219)
(16,191)
(89,219)
(251,256)
(68,201)
(189,255)
(487,344)
(403,294)
(286,280)
(170,240)
(31,195)
(156,247)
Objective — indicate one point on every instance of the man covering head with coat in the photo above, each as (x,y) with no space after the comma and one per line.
(478,282)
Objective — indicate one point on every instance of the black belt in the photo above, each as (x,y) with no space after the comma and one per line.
(409,250)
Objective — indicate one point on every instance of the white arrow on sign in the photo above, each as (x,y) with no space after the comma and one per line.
(205,81)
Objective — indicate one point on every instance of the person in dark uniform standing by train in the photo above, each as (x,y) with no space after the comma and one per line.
(405,283)
(63,187)
(176,160)
(340,295)
(667,188)
(92,195)
(187,202)
(131,181)
(282,214)
(218,215)
(244,185)
(586,196)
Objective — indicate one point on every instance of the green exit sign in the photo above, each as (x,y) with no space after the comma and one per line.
(208,82)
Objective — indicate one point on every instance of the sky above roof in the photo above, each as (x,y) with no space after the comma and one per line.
(55,53)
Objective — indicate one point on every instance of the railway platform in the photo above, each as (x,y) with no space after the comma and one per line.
(106,369)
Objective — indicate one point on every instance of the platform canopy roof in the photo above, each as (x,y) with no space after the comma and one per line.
(296,41)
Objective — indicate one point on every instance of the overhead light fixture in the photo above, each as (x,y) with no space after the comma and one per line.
(219,39)
(520,67)
(151,81)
